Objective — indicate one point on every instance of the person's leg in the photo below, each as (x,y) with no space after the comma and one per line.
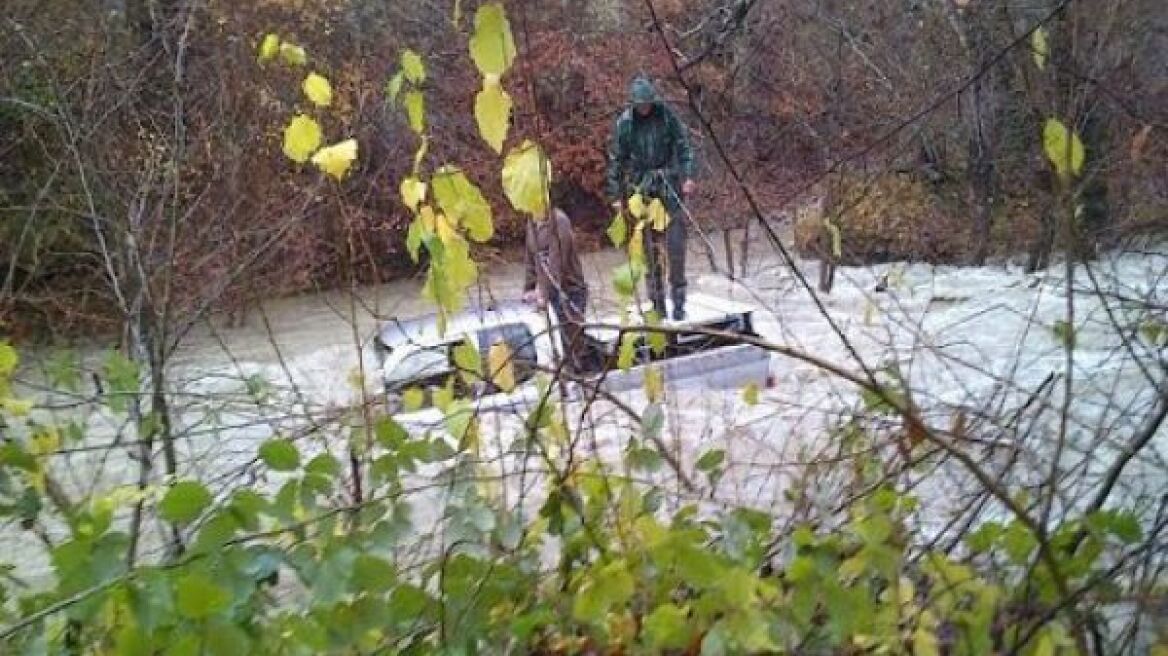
(676,237)
(653,264)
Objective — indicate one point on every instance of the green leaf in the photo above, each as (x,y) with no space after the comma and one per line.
(293,55)
(372,574)
(389,433)
(393,87)
(198,597)
(1065,333)
(1018,542)
(461,200)
(412,399)
(184,502)
(8,360)
(625,278)
(226,639)
(609,586)
(412,66)
(415,104)
(1040,47)
(527,176)
(711,460)
(493,112)
(667,627)
(644,459)
(491,45)
(468,361)
(750,394)
(984,538)
(628,351)
(302,138)
(280,455)
(652,421)
(618,230)
(1063,148)
(121,375)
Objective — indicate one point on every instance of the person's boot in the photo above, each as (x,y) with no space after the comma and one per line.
(679,306)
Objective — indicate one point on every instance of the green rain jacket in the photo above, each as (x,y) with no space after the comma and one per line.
(642,146)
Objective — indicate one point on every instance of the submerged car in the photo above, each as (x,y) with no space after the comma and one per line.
(704,351)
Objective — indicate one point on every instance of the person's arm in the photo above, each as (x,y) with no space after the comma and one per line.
(617,154)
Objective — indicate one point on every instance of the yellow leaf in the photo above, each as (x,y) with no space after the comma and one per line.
(413,191)
(336,159)
(637,244)
(493,112)
(925,643)
(16,407)
(1041,48)
(637,205)
(318,90)
(426,215)
(293,54)
(416,111)
(461,200)
(491,46)
(658,217)
(527,175)
(750,394)
(301,138)
(412,67)
(445,230)
(654,384)
(501,365)
(1063,148)
(45,440)
(412,399)
(393,87)
(269,48)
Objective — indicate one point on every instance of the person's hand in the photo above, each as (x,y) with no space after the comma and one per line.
(688,187)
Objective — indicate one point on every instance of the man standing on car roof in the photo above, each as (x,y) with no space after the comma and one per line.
(650,152)
(555,277)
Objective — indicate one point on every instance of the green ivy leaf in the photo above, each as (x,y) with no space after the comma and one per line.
(393,87)
(280,455)
(624,279)
(198,597)
(492,47)
(323,465)
(667,627)
(183,502)
(389,433)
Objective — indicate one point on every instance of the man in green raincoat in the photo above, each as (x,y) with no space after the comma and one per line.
(650,152)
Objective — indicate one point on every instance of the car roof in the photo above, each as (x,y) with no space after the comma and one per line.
(423,330)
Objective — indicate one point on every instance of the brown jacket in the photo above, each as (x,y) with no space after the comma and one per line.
(552,261)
